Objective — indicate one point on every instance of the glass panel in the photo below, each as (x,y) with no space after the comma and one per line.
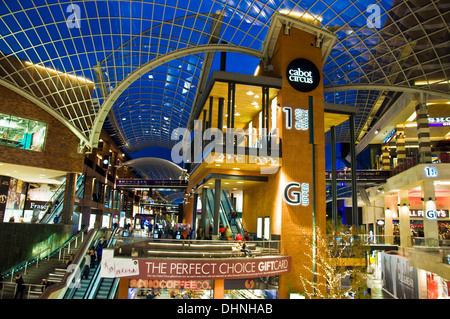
(22,133)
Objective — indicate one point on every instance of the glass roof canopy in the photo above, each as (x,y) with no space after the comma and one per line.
(147,58)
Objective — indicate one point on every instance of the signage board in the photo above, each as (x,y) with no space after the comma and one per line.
(296,197)
(193,269)
(431,172)
(303,75)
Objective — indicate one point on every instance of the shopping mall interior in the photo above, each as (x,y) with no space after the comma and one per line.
(220,149)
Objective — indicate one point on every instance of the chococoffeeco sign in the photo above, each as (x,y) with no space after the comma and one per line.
(303,75)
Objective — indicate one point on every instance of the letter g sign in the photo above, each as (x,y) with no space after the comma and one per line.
(292,197)
(296,197)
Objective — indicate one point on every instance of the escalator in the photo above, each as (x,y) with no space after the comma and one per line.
(95,287)
(225,208)
(54,210)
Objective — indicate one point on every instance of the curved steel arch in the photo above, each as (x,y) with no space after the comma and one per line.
(136,74)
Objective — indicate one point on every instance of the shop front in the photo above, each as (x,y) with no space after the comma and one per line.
(170,289)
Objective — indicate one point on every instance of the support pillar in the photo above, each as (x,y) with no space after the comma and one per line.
(69,199)
(400,140)
(334,212)
(405,226)
(217,191)
(355,220)
(219,288)
(385,158)
(423,131)
(390,211)
(430,222)
(205,221)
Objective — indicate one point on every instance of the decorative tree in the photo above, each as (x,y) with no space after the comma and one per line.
(333,261)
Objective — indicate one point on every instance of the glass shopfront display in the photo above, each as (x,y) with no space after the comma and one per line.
(170,289)
(22,133)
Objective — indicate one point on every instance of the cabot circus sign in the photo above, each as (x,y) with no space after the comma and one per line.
(303,75)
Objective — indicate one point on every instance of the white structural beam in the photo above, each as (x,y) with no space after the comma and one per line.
(145,68)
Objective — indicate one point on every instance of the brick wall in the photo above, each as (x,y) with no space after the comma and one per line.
(60,149)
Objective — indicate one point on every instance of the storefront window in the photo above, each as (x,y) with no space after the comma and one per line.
(22,133)
(170,289)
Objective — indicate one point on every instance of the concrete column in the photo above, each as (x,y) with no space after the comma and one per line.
(400,141)
(85,216)
(423,132)
(385,158)
(69,199)
(405,227)
(205,222)
(219,285)
(390,211)
(217,191)
(430,223)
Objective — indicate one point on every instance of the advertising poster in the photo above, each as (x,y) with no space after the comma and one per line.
(399,278)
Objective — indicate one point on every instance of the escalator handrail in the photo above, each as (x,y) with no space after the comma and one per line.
(69,276)
(53,210)
(96,280)
(71,293)
(239,226)
(223,216)
(50,202)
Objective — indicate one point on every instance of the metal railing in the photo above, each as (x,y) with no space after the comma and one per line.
(132,247)
(28,289)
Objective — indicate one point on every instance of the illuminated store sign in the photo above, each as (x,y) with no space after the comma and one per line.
(173,271)
(440,213)
(439,121)
(301,118)
(431,172)
(297,197)
(431,214)
(171,284)
(303,75)
(389,136)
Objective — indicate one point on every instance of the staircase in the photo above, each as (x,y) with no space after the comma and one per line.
(50,269)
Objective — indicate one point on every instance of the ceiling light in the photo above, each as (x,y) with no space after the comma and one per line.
(440,81)
(250,93)
(58,72)
(412,117)
(236,168)
(256,71)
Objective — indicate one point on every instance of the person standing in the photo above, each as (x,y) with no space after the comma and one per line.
(228,233)
(92,259)
(87,264)
(20,286)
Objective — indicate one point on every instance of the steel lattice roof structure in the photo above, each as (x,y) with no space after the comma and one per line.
(137,67)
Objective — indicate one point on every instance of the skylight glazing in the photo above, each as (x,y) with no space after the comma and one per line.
(119,61)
